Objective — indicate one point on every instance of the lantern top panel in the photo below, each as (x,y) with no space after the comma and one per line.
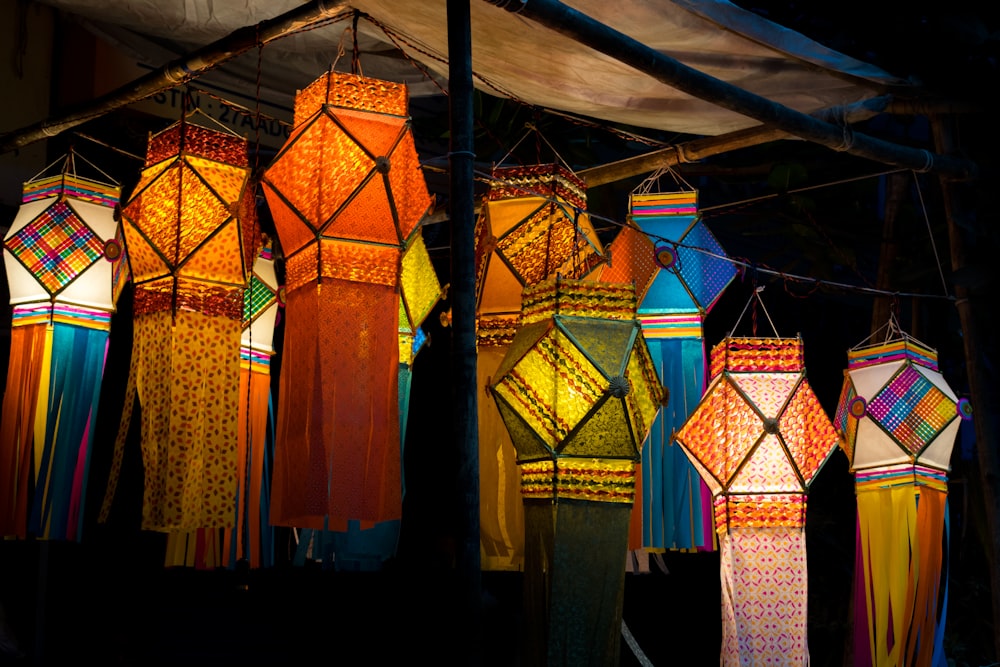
(758,355)
(577,298)
(72,186)
(538,180)
(351,91)
(185,138)
(905,349)
(657,204)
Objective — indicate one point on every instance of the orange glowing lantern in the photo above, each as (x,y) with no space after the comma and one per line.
(533,226)
(190,229)
(899,420)
(577,391)
(758,438)
(347,195)
(63,259)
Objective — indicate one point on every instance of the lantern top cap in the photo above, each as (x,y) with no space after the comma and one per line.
(894,345)
(66,181)
(758,355)
(350,91)
(577,298)
(538,180)
(186,138)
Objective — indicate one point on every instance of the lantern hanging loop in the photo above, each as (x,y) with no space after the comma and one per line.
(755,299)
(197,111)
(355,50)
(653,180)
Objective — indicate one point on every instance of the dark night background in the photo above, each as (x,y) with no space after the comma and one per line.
(785,207)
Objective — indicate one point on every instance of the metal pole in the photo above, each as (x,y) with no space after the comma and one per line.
(463,295)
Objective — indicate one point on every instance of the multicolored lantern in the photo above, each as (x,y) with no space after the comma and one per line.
(680,270)
(63,257)
(578,392)
(899,420)
(251,538)
(533,226)
(347,195)
(190,228)
(758,438)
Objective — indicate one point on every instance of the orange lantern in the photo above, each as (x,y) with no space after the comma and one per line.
(190,228)
(758,438)
(63,259)
(899,420)
(347,195)
(533,226)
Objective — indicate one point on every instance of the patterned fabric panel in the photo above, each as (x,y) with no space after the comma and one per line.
(596,480)
(702,265)
(912,409)
(56,247)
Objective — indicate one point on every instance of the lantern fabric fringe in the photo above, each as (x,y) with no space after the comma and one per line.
(764,596)
(901,519)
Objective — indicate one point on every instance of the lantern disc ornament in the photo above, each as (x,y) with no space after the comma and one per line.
(190,230)
(64,284)
(577,391)
(347,195)
(898,419)
(532,226)
(758,438)
(680,270)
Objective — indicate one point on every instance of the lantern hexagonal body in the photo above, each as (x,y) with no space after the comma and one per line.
(899,420)
(577,392)
(675,294)
(347,196)
(190,228)
(758,438)
(64,262)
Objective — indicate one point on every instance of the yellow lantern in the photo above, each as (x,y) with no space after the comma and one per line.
(533,225)
(758,438)
(899,420)
(347,195)
(190,228)
(63,259)
(577,391)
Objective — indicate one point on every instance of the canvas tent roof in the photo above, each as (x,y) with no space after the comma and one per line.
(511,55)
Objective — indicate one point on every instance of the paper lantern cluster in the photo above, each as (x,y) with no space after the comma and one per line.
(65,268)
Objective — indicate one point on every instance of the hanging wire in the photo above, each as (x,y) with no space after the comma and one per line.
(755,299)
(930,235)
(647,184)
(355,50)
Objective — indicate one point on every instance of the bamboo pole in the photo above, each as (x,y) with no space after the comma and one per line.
(585,30)
(974,307)
(177,72)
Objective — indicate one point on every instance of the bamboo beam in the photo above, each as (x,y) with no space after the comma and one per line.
(177,72)
(585,30)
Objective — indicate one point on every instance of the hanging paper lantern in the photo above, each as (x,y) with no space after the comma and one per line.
(758,438)
(680,270)
(190,229)
(533,226)
(347,195)
(577,392)
(899,420)
(63,256)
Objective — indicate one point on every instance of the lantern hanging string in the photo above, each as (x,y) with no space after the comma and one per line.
(646,186)
(755,299)
(930,234)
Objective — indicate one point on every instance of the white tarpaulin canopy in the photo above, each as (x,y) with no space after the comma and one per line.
(511,55)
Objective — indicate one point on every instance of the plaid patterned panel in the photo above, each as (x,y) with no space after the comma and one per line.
(256,299)
(56,246)
(912,409)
